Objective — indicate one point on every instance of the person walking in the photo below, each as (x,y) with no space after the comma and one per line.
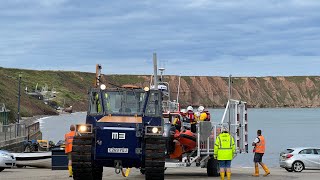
(224,151)
(68,149)
(259,148)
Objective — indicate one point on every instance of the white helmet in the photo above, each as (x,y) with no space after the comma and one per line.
(224,129)
(200,108)
(183,111)
(189,108)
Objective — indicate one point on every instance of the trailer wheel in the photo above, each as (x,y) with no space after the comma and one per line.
(82,165)
(213,168)
(154,158)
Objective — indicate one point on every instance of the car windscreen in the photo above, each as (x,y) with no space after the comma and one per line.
(287,151)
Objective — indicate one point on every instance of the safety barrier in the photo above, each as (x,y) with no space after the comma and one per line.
(14,134)
(12,131)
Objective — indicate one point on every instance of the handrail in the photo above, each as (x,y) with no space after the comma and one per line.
(15,131)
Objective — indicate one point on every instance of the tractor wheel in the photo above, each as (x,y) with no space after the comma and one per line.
(154,157)
(82,165)
(213,168)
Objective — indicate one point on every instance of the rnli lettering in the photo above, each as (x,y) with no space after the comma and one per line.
(116,135)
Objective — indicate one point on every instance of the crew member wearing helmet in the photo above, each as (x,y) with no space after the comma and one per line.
(224,151)
(204,114)
(183,114)
(190,117)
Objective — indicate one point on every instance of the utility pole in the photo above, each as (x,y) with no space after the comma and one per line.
(19,95)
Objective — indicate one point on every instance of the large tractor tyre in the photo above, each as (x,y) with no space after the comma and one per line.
(82,165)
(154,158)
(213,168)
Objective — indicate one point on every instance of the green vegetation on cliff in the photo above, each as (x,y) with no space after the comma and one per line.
(72,87)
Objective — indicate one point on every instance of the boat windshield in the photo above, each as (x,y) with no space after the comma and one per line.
(124,102)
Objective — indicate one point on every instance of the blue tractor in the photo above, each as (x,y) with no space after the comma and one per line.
(123,129)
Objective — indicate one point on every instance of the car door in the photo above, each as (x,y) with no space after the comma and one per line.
(318,154)
(309,159)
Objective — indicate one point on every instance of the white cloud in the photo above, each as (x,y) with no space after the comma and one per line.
(203,33)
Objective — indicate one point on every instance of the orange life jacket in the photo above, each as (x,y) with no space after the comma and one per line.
(68,141)
(261,145)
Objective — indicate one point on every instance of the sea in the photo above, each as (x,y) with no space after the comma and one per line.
(282,128)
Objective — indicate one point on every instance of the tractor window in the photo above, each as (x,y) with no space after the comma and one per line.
(124,102)
(153,106)
(95,106)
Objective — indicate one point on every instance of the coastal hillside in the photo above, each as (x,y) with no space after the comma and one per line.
(72,87)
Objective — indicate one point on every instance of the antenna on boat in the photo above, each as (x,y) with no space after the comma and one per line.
(161,72)
(178,88)
(155,71)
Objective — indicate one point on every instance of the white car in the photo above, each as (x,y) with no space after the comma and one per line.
(7,160)
(300,158)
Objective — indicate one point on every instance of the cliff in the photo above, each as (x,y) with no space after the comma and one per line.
(72,87)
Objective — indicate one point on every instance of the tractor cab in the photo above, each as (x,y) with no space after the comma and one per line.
(106,106)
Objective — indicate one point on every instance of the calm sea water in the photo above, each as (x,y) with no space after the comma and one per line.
(282,128)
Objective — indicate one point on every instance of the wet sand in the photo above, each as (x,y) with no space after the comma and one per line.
(179,173)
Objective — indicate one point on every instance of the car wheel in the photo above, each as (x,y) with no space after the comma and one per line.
(297,166)
(1,169)
(289,169)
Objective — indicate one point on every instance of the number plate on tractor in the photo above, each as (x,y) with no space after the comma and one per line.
(118,150)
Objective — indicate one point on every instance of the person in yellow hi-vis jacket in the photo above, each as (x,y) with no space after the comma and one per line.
(224,151)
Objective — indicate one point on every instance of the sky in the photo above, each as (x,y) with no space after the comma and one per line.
(190,37)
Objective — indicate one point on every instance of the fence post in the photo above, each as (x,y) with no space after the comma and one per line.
(15,129)
(5,133)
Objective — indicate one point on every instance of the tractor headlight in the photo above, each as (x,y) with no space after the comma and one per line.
(84,128)
(154,130)
(103,86)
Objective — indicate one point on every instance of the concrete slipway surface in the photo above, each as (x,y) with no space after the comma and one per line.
(179,173)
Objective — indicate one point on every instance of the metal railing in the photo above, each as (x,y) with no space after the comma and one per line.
(14,131)
(32,129)
(170,106)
